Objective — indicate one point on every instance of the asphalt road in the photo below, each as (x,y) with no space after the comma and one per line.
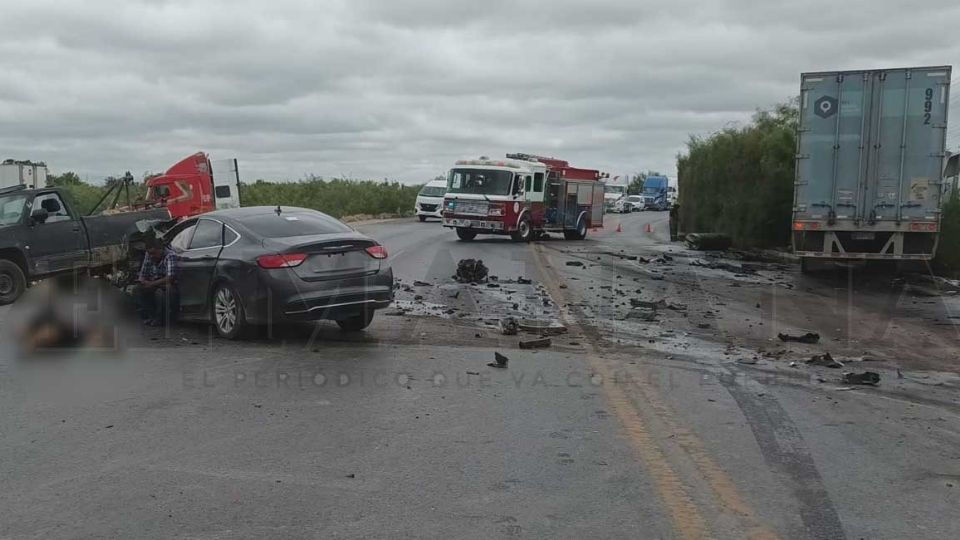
(686,418)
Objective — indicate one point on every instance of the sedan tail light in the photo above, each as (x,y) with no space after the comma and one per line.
(288,260)
(377,252)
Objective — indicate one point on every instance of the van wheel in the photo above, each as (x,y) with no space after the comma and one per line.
(524,232)
(357,322)
(465,234)
(422,218)
(227,312)
(12,282)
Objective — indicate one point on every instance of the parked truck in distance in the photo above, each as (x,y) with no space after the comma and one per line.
(871,150)
(613,192)
(23,173)
(194,186)
(656,193)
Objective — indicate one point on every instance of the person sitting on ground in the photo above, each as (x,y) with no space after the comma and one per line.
(156,292)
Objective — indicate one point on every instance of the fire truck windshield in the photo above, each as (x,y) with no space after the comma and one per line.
(480,181)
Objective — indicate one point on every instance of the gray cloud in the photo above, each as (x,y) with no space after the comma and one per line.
(401,89)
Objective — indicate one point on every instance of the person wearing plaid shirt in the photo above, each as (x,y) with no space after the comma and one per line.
(157,285)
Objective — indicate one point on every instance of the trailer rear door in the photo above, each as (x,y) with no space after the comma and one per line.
(226,183)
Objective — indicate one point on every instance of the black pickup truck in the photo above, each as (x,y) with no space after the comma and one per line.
(42,236)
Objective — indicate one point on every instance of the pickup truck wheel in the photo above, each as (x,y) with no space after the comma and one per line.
(465,234)
(524,232)
(12,282)
(227,312)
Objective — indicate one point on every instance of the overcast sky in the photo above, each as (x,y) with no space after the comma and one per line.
(398,89)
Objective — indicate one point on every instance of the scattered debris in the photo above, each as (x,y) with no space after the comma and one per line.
(574,263)
(454,294)
(642,314)
(500,361)
(718,265)
(535,343)
(524,281)
(473,373)
(544,327)
(351,475)
(419,283)
(509,326)
(824,360)
(708,241)
(809,337)
(703,326)
(749,361)
(471,271)
(867,377)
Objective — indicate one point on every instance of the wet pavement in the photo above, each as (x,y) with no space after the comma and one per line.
(667,408)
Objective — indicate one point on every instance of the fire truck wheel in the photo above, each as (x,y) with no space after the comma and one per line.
(580,233)
(465,234)
(524,232)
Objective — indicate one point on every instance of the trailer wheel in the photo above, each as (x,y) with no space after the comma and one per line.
(465,234)
(12,282)
(524,232)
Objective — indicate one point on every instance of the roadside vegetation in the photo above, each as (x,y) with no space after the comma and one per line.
(337,197)
(739,181)
(948,252)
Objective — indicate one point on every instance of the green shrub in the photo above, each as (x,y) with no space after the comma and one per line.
(336,197)
(947,260)
(739,181)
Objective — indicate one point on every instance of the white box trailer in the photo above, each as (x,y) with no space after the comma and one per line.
(870,161)
(16,173)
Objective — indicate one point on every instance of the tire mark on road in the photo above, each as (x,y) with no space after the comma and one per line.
(671,489)
(784,450)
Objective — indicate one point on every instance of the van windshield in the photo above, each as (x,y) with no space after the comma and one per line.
(433,191)
(11,209)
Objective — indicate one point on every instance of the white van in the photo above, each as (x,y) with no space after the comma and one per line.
(430,200)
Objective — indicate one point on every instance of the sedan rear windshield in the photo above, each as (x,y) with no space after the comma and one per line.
(293,224)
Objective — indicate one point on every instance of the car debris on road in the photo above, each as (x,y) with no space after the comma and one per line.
(471,271)
(509,326)
(708,241)
(870,378)
(809,338)
(825,360)
(500,361)
(535,343)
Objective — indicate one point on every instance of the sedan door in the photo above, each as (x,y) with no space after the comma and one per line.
(196,266)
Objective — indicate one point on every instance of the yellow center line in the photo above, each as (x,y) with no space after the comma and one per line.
(687,518)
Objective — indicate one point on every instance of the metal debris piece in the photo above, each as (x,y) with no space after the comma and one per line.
(824,360)
(708,241)
(544,327)
(535,343)
(871,378)
(574,263)
(509,326)
(499,361)
(809,337)
(418,283)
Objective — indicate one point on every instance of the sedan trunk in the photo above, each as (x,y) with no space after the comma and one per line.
(329,256)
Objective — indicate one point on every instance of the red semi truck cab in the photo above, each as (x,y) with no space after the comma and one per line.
(195,186)
(523,196)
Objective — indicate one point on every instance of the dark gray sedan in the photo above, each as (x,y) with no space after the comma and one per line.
(271,265)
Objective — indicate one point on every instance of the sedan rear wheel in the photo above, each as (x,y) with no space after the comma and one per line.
(357,322)
(228,318)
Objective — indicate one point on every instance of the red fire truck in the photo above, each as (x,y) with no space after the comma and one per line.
(523,196)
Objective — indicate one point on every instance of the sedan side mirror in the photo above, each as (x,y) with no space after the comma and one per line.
(39,216)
